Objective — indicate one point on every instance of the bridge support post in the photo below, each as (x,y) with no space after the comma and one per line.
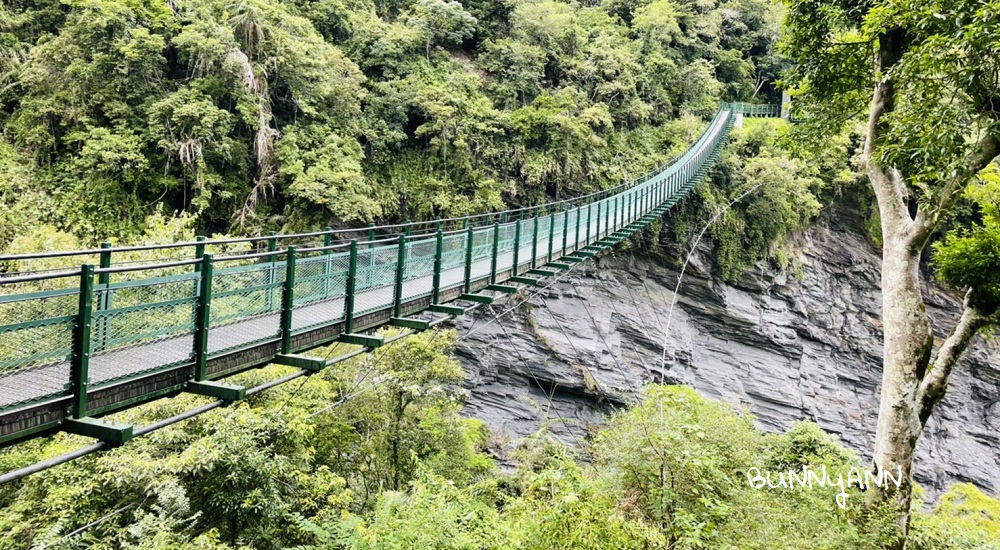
(619,201)
(288,301)
(534,241)
(80,360)
(397,294)
(203,317)
(80,372)
(199,250)
(436,281)
(517,248)
(352,275)
(552,231)
(105,299)
(496,251)
(597,235)
(580,220)
(469,237)
(565,230)
(590,216)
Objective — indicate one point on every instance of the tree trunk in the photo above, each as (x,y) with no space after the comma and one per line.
(908,341)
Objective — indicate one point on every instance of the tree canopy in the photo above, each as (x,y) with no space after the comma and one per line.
(268,114)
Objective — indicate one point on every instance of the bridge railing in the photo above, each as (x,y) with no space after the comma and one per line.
(104,336)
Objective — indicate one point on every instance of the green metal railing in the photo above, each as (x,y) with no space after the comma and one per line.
(67,336)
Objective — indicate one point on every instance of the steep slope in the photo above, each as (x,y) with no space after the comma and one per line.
(787,348)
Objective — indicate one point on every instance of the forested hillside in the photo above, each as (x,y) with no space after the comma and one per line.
(255,115)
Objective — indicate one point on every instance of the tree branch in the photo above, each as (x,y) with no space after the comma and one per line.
(934,384)
(929,217)
(887,184)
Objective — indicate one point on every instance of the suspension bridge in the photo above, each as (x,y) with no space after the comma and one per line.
(131,324)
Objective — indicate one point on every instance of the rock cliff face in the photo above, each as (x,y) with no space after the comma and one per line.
(786,347)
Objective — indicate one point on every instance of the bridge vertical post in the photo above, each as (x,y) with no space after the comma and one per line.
(80,360)
(469,237)
(534,241)
(618,212)
(105,301)
(203,316)
(597,235)
(496,252)
(199,251)
(436,281)
(288,301)
(517,245)
(565,228)
(397,294)
(579,210)
(607,217)
(408,228)
(352,274)
(552,230)
(328,260)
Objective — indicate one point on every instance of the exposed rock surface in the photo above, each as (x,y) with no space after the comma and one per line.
(788,348)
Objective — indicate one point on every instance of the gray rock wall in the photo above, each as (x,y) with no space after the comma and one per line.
(786,347)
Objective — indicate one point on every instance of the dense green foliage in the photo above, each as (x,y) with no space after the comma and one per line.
(784,188)
(969,257)
(373,454)
(294,114)
(934,117)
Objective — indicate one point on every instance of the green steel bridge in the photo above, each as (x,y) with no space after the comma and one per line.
(76,344)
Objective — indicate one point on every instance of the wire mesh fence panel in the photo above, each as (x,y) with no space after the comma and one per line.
(36,340)
(594,217)
(524,254)
(420,258)
(246,306)
(376,277)
(142,325)
(419,273)
(557,233)
(320,286)
(544,230)
(453,249)
(580,237)
(505,247)
(482,252)
(572,222)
